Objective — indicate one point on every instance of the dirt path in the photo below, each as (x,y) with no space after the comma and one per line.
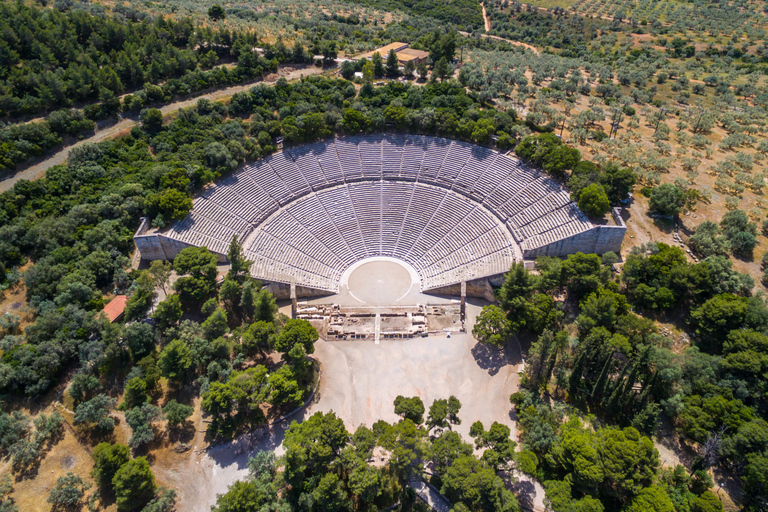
(486,19)
(37,170)
(510,41)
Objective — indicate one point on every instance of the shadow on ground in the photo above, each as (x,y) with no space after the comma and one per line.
(492,359)
(525,492)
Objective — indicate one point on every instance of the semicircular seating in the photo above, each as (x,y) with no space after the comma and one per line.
(452,210)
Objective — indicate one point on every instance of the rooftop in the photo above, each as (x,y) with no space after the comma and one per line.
(116,307)
(410,54)
(384,50)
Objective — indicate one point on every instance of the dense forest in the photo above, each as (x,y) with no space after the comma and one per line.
(53,59)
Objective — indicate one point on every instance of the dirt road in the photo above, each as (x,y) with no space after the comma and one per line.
(37,170)
(510,41)
(486,19)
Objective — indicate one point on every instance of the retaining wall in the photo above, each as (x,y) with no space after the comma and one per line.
(599,240)
(155,246)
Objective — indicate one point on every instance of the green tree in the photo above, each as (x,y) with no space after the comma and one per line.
(96,412)
(348,70)
(175,361)
(297,332)
(718,316)
(312,445)
(216,12)
(651,499)
(284,387)
(444,413)
(134,484)
(172,204)
(422,70)
(243,496)
(499,447)
(708,240)
(581,273)
(197,265)
(410,408)
(594,201)
(140,338)
(164,501)
(409,68)
(82,386)
(707,502)
(107,459)
(560,159)
(265,306)
(258,338)
(69,491)
(405,441)
(215,325)
(140,420)
(491,326)
(355,121)
(135,393)
(514,292)
(617,182)
(365,483)
(393,64)
(667,199)
(151,120)
(378,65)
(442,70)
(168,312)
(740,232)
(239,266)
(446,448)
(756,480)
(177,413)
(475,485)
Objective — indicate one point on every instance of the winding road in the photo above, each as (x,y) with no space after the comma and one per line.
(38,169)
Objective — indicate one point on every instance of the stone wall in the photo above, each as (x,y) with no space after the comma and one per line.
(476,288)
(155,246)
(599,240)
(283,291)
